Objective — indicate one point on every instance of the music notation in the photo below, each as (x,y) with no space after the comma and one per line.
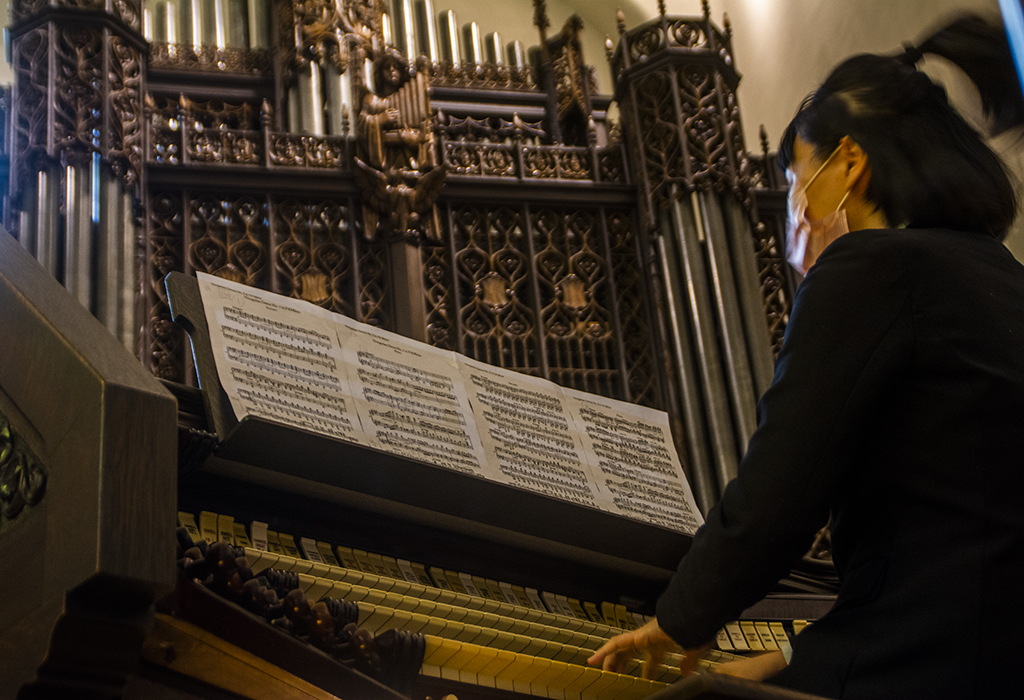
(525,425)
(631,451)
(294,363)
(293,335)
(428,415)
(280,349)
(278,360)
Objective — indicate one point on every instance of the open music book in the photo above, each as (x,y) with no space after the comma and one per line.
(297,364)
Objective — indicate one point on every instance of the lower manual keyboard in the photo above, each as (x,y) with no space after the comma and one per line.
(483,642)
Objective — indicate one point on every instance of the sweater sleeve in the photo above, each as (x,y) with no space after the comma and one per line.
(848,338)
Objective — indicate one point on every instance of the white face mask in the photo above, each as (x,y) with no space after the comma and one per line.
(806,239)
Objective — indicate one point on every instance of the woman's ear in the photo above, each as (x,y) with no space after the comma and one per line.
(857,169)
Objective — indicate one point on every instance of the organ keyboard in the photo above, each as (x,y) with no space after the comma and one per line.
(478,633)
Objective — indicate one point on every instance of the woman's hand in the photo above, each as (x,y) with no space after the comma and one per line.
(755,668)
(650,641)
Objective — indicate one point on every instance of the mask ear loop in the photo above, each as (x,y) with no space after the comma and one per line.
(843,200)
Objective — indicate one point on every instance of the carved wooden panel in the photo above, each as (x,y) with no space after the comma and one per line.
(497,309)
(163,341)
(30,114)
(548,291)
(307,248)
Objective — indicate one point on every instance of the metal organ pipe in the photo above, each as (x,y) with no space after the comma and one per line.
(259,31)
(404,28)
(338,88)
(309,102)
(449,32)
(114,293)
(217,9)
(426,30)
(48,246)
(79,246)
(165,21)
(474,47)
(236,26)
(492,49)
(516,54)
(192,21)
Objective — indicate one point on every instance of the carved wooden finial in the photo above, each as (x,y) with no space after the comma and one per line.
(540,15)
(661,7)
(609,47)
(706,8)
(765,146)
(728,26)
(620,20)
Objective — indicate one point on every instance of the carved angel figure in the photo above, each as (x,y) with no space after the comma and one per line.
(401,198)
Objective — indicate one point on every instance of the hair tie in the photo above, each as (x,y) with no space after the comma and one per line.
(911,55)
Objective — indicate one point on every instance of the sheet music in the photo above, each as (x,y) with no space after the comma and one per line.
(528,433)
(295,363)
(278,358)
(634,461)
(410,398)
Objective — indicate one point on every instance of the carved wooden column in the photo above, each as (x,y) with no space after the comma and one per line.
(676,86)
(76,147)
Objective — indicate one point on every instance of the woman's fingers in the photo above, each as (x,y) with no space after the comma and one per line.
(613,655)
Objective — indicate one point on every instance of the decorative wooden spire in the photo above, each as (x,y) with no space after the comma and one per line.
(540,17)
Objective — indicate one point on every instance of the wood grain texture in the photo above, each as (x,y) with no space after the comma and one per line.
(88,560)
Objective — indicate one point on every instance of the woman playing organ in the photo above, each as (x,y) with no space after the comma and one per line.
(897,399)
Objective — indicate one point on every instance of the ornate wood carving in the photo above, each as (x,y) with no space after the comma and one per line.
(304,247)
(483,77)
(676,82)
(550,292)
(208,58)
(163,342)
(22,476)
(78,88)
(127,11)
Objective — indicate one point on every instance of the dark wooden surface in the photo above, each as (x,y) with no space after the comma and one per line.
(194,604)
(712,686)
(84,564)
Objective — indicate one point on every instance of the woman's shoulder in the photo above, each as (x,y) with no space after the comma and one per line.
(914,246)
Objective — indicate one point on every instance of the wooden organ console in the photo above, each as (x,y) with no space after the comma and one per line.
(530,586)
(500,214)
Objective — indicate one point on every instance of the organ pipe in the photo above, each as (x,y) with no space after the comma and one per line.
(449,33)
(427,30)
(474,47)
(516,55)
(493,49)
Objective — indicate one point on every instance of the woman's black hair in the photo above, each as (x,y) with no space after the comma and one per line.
(929,168)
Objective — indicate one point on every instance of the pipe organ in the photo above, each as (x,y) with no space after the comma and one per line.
(431,177)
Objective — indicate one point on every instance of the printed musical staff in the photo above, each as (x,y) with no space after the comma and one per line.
(634,461)
(278,360)
(294,363)
(411,399)
(525,425)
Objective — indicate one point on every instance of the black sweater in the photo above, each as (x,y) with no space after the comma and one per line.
(898,405)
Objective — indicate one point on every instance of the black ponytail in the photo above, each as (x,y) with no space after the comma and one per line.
(929,168)
(982,51)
